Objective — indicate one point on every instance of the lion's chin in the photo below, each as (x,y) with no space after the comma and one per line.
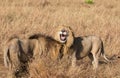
(62,41)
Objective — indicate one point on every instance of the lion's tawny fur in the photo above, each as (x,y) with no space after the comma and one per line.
(91,46)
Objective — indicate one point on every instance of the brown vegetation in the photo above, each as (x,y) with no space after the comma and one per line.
(26,17)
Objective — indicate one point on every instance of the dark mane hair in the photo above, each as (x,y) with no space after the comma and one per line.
(48,38)
(36,36)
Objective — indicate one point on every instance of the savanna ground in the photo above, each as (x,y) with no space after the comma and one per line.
(26,17)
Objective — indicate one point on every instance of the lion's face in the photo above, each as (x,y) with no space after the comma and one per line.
(63,34)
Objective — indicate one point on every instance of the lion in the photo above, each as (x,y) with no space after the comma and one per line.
(91,46)
(19,52)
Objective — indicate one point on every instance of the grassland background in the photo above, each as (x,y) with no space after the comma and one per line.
(26,17)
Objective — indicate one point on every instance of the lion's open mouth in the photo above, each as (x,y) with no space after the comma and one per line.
(63,35)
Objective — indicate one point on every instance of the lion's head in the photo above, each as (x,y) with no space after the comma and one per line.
(64,35)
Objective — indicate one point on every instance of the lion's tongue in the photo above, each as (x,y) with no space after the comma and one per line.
(62,37)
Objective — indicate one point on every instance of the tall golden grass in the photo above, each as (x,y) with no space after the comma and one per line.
(102,18)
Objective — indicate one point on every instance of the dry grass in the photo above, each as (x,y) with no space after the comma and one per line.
(26,17)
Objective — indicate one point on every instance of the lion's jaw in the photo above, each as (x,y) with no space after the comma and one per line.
(63,36)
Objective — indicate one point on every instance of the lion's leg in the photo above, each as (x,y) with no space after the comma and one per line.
(105,58)
(11,73)
(90,56)
(103,53)
(95,61)
(96,56)
(14,64)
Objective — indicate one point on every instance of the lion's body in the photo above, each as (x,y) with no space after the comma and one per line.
(85,46)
